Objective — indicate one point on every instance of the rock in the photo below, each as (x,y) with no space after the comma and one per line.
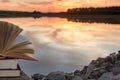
(69,76)
(56,76)
(83,71)
(107,68)
(111,58)
(100,61)
(117,77)
(94,75)
(44,78)
(38,77)
(77,78)
(102,71)
(116,70)
(117,63)
(106,76)
(90,69)
(77,73)
(118,55)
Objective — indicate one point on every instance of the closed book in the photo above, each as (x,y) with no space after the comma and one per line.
(8,63)
(10,72)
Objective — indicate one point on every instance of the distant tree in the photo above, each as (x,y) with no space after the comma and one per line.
(99,10)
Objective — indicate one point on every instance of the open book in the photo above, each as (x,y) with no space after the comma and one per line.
(12,44)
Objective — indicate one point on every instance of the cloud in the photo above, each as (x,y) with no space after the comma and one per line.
(53,5)
(43,3)
(53,59)
(53,56)
(4,0)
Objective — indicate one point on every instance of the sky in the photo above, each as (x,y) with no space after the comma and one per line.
(53,5)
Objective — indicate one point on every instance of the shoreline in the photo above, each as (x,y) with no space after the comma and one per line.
(107,68)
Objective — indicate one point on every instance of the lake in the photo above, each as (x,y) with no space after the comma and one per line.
(65,45)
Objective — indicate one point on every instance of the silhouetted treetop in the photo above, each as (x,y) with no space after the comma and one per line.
(99,10)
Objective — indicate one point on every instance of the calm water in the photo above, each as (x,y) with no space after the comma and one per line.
(65,45)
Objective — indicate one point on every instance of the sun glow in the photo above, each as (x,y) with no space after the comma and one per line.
(53,5)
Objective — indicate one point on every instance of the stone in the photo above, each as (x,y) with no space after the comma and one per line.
(111,58)
(38,76)
(94,75)
(58,75)
(106,76)
(107,59)
(77,73)
(83,71)
(117,63)
(102,71)
(90,69)
(69,76)
(116,70)
(100,61)
(108,66)
(77,78)
(118,55)
(117,77)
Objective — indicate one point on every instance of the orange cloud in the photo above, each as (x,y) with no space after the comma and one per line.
(53,5)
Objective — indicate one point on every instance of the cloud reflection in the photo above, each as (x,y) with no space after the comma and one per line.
(63,45)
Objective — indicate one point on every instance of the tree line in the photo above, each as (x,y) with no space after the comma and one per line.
(4,13)
(114,10)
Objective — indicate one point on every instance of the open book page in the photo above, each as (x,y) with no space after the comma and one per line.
(12,44)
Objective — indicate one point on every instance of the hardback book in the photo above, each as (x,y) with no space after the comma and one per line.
(12,44)
(8,63)
(10,72)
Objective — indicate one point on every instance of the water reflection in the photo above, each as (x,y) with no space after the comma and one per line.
(63,45)
(107,19)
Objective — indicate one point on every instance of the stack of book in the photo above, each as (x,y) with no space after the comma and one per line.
(9,67)
(13,46)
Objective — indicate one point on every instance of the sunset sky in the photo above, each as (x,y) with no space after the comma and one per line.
(53,5)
